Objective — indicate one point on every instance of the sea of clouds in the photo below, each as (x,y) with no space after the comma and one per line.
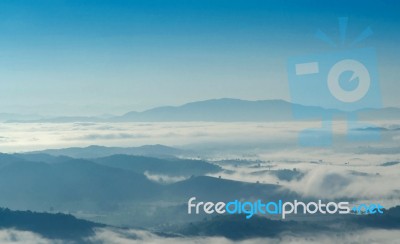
(133,236)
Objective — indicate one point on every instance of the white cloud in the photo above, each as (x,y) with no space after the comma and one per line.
(113,236)
(164,179)
(8,236)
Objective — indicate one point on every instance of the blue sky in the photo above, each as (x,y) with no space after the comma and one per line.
(94,57)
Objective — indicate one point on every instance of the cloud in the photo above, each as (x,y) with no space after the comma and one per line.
(274,142)
(60,135)
(342,181)
(362,182)
(164,179)
(109,136)
(24,237)
(114,236)
(4,139)
(326,174)
(131,236)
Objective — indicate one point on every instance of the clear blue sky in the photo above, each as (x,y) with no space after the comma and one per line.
(94,57)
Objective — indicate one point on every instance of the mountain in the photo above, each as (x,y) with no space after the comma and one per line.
(54,226)
(207,188)
(70,184)
(40,157)
(236,110)
(114,189)
(390,113)
(101,151)
(230,110)
(19,117)
(237,227)
(225,110)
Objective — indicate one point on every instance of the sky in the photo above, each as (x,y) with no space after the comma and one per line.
(87,57)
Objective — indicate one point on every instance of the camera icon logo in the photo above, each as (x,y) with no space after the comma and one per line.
(359,71)
(336,84)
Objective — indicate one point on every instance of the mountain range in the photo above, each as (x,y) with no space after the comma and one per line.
(117,189)
(228,110)
(234,227)
(95,151)
(50,225)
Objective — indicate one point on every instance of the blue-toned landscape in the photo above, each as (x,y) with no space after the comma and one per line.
(140,192)
(114,114)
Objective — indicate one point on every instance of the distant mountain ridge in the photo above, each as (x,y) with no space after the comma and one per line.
(230,110)
(95,151)
(50,225)
(103,188)
(222,110)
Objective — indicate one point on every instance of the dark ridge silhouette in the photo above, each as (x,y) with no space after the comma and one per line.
(390,219)
(53,226)
(37,185)
(237,227)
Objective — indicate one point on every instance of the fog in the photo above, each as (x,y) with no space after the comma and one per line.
(225,138)
(24,237)
(340,170)
(250,152)
(135,236)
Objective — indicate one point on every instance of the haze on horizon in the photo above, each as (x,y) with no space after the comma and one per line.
(91,57)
